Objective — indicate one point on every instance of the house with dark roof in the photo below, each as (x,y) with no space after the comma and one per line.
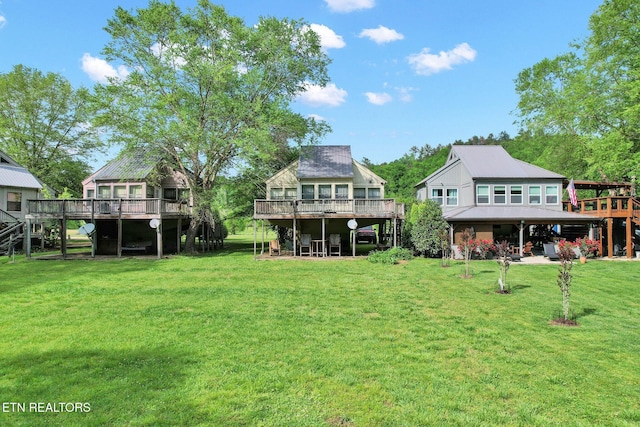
(483,189)
(136,203)
(321,192)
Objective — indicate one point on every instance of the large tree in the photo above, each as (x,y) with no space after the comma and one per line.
(44,127)
(592,93)
(207,91)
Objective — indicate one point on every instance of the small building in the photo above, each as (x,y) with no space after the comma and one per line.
(17,185)
(137,205)
(483,189)
(321,192)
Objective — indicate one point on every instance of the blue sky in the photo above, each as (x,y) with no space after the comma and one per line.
(404,72)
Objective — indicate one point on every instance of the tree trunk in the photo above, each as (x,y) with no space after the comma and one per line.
(192,233)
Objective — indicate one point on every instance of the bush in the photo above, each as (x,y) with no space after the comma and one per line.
(391,256)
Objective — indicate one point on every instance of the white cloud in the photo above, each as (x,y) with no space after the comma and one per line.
(378,98)
(3,21)
(426,63)
(345,6)
(100,70)
(405,93)
(328,38)
(317,117)
(381,34)
(316,96)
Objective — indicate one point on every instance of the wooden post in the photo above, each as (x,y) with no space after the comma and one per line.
(28,241)
(323,238)
(255,239)
(159,238)
(521,235)
(119,250)
(629,237)
(179,232)
(609,237)
(295,235)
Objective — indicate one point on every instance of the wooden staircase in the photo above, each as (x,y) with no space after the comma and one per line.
(11,231)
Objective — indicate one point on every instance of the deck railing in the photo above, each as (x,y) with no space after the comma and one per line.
(59,207)
(606,207)
(383,207)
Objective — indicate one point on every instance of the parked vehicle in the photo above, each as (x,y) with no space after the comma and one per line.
(366,234)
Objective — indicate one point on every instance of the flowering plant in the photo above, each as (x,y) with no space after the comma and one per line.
(587,247)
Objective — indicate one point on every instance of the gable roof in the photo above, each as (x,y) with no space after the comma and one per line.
(126,166)
(326,161)
(14,175)
(493,161)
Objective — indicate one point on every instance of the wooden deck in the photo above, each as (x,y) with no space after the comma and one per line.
(106,209)
(328,208)
(610,208)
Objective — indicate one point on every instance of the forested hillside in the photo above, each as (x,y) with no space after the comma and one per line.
(560,154)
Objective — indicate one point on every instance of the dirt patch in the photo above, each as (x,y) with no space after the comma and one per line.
(503,291)
(564,322)
(340,421)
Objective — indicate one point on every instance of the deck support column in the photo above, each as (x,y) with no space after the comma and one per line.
(119,250)
(609,237)
(63,231)
(323,238)
(395,231)
(521,236)
(629,236)
(255,239)
(179,233)
(28,239)
(295,235)
(159,238)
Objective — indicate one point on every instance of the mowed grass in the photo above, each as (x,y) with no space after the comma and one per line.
(224,339)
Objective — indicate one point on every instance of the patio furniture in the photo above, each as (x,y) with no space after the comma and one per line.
(527,250)
(274,247)
(305,244)
(550,252)
(334,245)
(317,247)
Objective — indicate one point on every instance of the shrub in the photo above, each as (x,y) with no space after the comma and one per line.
(391,256)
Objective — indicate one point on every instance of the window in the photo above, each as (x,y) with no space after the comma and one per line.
(551,194)
(499,194)
(150,193)
(359,193)
(534,195)
(276,194)
(452,197)
(482,194)
(515,194)
(290,193)
(119,192)
(436,195)
(135,191)
(373,193)
(104,192)
(14,201)
(342,191)
(170,193)
(91,194)
(324,191)
(308,192)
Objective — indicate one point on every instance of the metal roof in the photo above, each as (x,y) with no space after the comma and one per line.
(127,166)
(516,213)
(326,161)
(493,161)
(17,176)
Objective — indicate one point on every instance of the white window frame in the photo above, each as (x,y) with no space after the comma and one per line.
(488,195)
(276,193)
(439,199)
(495,195)
(290,193)
(452,200)
(345,191)
(14,199)
(308,186)
(324,191)
(374,193)
(360,193)
(555,196)
(512,194)
(539,195)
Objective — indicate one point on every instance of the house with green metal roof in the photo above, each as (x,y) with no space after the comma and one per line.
(136,203)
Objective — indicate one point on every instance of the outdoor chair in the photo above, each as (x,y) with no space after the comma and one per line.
(527,250)
(274,247)
(550,252)
(334,245)
(305,244)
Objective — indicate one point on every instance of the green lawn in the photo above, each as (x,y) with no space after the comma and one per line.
(225,340)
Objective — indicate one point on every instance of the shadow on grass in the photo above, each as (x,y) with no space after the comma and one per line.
(586,312)
(516,287)
(141,386)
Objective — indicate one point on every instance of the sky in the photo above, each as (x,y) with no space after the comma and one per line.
(404,73)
